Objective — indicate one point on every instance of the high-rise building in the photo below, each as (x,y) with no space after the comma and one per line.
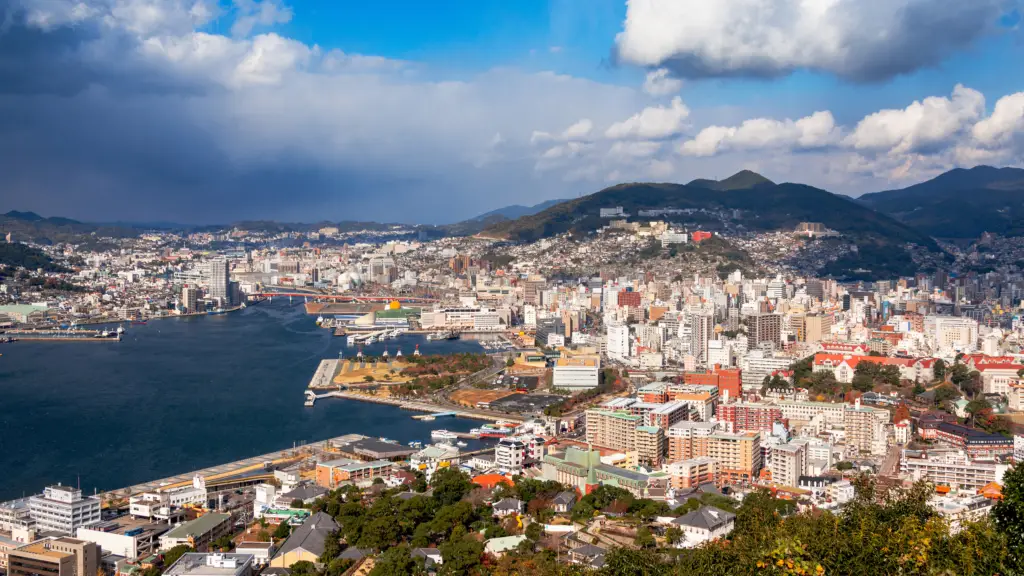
(63,509)
(817,327)
(763,328)
(738,456)
(701,327)
(218,280)
(189,298)
(788,462)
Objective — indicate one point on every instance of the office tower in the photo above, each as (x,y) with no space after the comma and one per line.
(189,298)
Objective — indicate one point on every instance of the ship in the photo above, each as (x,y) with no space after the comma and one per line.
(443,435)
(444,335)
(217,311)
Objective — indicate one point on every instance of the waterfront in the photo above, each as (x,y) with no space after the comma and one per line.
(179,395)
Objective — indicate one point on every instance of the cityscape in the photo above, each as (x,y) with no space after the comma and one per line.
(654,371)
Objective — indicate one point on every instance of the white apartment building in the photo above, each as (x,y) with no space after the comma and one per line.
(757,364)
(618,341)
(865,429)
(510,454)
(950,467)
(833,412)
(63,509)
(15,514)
(953,333)
(788,463)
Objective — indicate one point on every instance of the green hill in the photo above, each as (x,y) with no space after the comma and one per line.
(745,199)
(960,203)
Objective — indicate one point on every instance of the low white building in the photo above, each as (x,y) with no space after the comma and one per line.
(580,373)
(704,524)
(63,509)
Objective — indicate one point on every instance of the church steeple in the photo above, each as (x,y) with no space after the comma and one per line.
(592,483)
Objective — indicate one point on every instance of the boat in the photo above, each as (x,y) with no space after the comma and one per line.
(217,311)
(415,444)
(138,322)
(461,444)
(428,418)
(476,431)
(351,340)
(319,320)
(443,435)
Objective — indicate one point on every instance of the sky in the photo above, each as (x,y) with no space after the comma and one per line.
(213,111)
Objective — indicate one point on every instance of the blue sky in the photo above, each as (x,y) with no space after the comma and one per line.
(433,112)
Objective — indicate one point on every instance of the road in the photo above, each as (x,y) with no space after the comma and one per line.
(891,465)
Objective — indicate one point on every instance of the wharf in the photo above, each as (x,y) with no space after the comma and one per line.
(476,414)
(325,373)
(233,471)
(60,336)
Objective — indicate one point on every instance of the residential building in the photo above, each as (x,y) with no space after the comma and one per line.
(764,328)
(950,467)
(865,429)
(691,473)
(650,445)
(738,456)
(703,525)
(614,429)
(688,440)
(219,281)
(510,454)
(788,464)
(749,417)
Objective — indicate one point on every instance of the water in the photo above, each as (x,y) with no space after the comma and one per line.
(182,394)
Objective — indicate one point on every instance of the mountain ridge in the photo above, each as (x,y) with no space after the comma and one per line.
(959,204)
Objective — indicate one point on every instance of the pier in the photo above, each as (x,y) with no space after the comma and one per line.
(474,413)
(252,470)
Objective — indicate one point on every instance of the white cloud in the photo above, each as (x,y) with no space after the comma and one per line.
(250,13)
(579,130)
(934,122)
(652,122)
(859,39)
(1005,123)
(815,131)
(639,149)
(659,83)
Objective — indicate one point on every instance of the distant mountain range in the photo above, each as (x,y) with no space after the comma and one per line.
(961,203)
(747,199)
(516,211)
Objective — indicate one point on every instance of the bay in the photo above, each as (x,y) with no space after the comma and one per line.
(180,394)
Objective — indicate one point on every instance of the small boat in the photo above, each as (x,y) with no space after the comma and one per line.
(415,444)
(138,322)
(443,435)
(428,418)
(461,444)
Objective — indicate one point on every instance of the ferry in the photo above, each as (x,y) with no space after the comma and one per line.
(428,418)
(443,435)
(443,335)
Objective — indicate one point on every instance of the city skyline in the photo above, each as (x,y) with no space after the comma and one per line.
(204,112)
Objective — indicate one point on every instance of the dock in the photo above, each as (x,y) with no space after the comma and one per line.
(325,373)
(434,416)
(248,470)
(433,410)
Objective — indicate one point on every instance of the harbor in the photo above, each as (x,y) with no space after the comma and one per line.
(71,334)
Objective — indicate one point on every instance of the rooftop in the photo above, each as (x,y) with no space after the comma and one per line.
(199,564)
(201,525)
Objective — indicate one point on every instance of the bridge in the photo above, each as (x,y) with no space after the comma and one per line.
(346,298)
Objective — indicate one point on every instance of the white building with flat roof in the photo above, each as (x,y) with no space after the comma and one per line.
(63,509)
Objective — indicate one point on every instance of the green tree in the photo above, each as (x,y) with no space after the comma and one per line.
(461,553)
(339,566)
(1008,514)
(945,393)
(303,567)
(396,561)
(297,503)
(644,538)
(844,465)
(450,486)
(510,362)
(332,547)
(535,531)
(673,535)
(172,555)
(282,530)
(939,368)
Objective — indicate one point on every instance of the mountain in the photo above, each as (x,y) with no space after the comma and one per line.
(961,203)
(742,180)
(29,226)
(745,199)
(516,211)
